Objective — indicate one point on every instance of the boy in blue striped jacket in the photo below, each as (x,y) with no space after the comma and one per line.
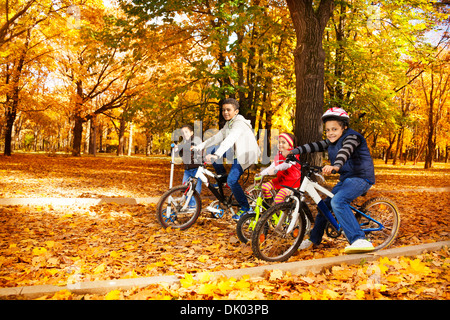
(350,157)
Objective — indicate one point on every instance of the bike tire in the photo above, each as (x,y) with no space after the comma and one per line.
(275,246)
(387,213)
(244,227)
(246,224)
(177,219)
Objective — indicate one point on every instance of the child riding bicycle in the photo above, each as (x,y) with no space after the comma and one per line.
(192,160)
(350,157)
(287,174)
(237,133)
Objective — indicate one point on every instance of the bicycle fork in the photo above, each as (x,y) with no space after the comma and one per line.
(188,194)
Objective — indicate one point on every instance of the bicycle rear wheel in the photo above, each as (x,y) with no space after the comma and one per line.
(170,212)
(270,240)
(384,211)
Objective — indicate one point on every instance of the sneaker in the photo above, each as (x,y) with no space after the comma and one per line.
(359,246)
(305,244)
(239,214)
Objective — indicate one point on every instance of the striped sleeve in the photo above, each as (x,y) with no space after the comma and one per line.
(349,145)
(312,147)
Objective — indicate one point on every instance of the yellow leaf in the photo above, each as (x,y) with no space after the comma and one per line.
(418,267)
(225,286)
(206,288)
(393,278)
(52,272)
(306,296)
(203,258)
(39,251)
(100,268)
(204,277)
(113,295)
(327,293)
(50,244)
(360,294)
(242,284)
(188,280)
(276,275)
(114,254)
(62,295)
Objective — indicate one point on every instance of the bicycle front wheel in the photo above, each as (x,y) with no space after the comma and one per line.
(244,227)
(385,212)
(270,240)
(173,210)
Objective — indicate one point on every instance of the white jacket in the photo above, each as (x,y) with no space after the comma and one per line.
(237,133)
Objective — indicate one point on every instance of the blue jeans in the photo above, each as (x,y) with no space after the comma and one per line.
(344,193)
(233,182)
(191,173)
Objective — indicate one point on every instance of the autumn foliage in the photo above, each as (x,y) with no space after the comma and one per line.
(63,245)
(81,77)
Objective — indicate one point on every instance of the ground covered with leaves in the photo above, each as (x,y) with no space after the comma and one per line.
(63,245)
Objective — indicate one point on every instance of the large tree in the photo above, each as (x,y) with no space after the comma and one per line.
(310,19)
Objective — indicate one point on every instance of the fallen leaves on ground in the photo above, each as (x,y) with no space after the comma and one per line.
(426,276)
(66,245)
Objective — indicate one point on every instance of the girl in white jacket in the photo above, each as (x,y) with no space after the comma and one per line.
(237,136)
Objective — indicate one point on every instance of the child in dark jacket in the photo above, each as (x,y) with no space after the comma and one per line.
(191,159)
(350,157)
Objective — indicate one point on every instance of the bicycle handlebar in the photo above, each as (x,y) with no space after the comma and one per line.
(306,165)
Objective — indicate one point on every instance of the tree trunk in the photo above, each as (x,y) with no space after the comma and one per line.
(10,118)
(93,136)
(309,24)
(79,120)
(12,98)
(121,147)
(77,136)
(130,139)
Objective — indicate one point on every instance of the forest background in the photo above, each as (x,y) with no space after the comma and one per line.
(92,76)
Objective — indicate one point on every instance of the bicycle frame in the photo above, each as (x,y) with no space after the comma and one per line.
(259,202)
(311,188)
(201,175)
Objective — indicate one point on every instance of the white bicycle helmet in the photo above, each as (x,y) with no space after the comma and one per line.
(335,114)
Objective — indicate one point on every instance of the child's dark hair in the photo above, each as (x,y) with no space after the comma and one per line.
(189,126)
(231,101)
(342,123)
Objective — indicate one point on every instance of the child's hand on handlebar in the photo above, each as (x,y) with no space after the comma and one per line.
(329,169)
(210,158)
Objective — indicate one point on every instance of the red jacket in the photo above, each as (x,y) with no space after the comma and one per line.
(289,177)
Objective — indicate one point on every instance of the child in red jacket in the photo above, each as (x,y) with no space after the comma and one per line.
(287,174)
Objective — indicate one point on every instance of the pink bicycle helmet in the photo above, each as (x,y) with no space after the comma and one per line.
(335,114)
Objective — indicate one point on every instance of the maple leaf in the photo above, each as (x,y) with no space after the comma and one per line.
(204,277)
(275,275)
(39,251)
(113,295)
(188,281)
(206,289)
(100,268)
(418,267)
(225,286)
(203,258)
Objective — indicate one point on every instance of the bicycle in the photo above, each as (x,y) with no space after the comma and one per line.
(173,209)
(278,239)
(247,223)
